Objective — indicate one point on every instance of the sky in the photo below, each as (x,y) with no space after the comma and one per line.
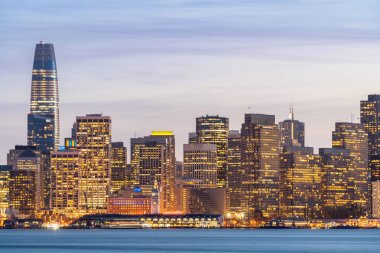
(159,64)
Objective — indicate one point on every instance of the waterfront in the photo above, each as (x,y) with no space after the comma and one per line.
(189,240)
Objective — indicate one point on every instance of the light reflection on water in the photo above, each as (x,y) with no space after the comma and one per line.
(187,240)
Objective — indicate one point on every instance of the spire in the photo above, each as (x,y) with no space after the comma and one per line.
(291,112)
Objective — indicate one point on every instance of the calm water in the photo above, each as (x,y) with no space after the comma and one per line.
(222,240)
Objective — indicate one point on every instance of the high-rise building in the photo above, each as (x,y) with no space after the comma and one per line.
(4,191)
(292,131)
(374,164)
(214,130)
(31,160)
(44,99)
(64,182)
(41,132)
(178,170)
(22,193)
(376,199)
(260,159)
(118,166)
(153,160)
(199,163)
(29,157)
(370,119)
(192,137)
(300,183)
(235,173)
(93,137)
(16,152)
(337,183)
(352,137)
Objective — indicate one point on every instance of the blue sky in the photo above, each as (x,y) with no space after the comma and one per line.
(159,64)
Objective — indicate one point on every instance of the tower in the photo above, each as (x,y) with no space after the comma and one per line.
(292,131)
(43,119)
(93,136)
(260,159)
(214,130)
(153,160)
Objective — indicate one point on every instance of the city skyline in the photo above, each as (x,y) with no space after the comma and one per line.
(240,53)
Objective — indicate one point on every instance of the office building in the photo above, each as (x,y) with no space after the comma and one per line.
(200,163)
(41,132)
(192,137)
(292,131)
(64,182)
(370,119)
(153,160)
(22,193)
(260,159)
(44,99)
(4,191)
(352,137)
(93,138)
(118,166)
(214,130)
(376,199)
(337,183)
(235,173)
(300,183)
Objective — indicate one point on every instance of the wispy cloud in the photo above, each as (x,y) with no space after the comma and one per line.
(159,64)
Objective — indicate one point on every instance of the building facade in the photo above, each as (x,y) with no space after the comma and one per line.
(22,193)
(370,119)
(118,166)
(292,131)
(260,159)
(353,137)
(235,174)
(41,132)
(4,191)
(300,183)
(64,182)
(338,189)
(153,160)
(93,137)
(199,163)
(44,99)
(376,199)
(214,130)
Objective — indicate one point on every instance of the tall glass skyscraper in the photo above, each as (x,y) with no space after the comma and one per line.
(44,101)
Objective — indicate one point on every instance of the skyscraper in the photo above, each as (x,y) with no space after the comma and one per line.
(4,191)
(370,119)
(352,137)
(214,130)
(235,173)
(260,159)
(22,192)
(118,166)
(44,100)
(292,131)
(153,160)
(300,184)
(337,183)
(199,163)
(64,182)
(93,135)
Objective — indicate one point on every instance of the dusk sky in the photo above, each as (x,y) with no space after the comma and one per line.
(158,64)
